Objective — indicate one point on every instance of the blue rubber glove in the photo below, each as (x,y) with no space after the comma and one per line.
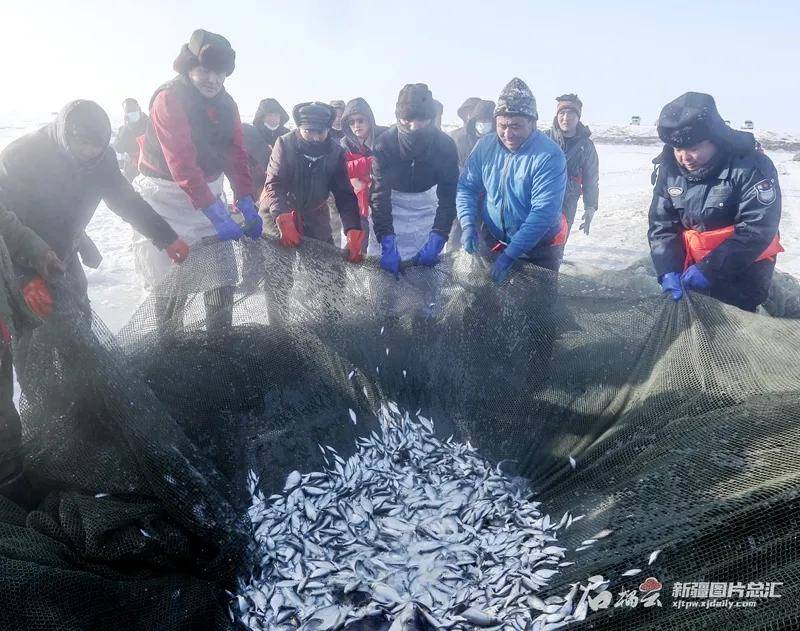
(253,224)
(469,239)
(501,268)
(227,229)
(693,278)
(390,256)
(671,282)
(429,253)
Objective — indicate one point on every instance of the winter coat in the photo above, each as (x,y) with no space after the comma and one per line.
(192,140)
(259,140)
(258,143)
(466,137)
(265,107)
(583,168)
(524,191)
(297,182)
(349,140)
(21,246)
(743,191)
(127,145)
(433,163)
(56,197)
(358,154)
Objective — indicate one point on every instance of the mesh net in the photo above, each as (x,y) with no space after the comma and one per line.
(680,418)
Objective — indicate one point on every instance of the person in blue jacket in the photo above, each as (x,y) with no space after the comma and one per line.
(512,189)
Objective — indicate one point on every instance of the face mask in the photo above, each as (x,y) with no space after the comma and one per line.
(483,127)
(271,127)
(133,117)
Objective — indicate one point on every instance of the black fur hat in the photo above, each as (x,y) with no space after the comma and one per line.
(415,102)
(314,115)
(692,118)
(206,49)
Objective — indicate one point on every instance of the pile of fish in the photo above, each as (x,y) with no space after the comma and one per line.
(411,532)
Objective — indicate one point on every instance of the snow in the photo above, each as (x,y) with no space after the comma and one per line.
(618,233)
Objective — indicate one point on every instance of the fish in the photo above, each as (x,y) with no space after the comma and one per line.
(416,530)
(479,618)
(292,481)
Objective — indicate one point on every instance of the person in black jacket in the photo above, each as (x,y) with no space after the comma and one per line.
(583,165)
(305,168)
(716,207)
(54,179)
(269,124)
(126,143)
(415,176)
(336,132)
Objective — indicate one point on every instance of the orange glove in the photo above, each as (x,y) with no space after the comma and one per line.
(355,245)
(37,297)
(178,251)
(287,225)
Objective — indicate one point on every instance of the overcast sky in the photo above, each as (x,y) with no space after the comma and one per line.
(622,58)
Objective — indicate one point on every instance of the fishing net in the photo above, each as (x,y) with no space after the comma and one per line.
(672,424)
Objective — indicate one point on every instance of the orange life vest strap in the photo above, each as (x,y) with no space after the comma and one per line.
(563,233)
(698,245)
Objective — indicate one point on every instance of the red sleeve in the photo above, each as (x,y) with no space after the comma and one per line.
(238,170)
(175,136)
(358,166)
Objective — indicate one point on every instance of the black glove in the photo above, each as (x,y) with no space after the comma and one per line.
(90,255)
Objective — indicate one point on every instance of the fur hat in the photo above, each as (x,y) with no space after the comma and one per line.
(314,115)
(692,118)
(415,102)
(206,49)
(466,108)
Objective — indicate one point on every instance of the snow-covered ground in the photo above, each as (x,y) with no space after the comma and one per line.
(618,235)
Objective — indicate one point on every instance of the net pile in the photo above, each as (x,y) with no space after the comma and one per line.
(673,425)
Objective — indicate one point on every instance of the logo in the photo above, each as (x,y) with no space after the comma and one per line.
(652,584)
(675,191)
(765,192)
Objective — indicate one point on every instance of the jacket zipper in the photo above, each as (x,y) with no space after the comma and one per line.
(503,182)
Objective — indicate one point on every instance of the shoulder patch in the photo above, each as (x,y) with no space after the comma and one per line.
(765,191)
(675,191)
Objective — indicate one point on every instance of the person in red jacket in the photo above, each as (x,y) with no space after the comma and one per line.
(194,137)
(360,133)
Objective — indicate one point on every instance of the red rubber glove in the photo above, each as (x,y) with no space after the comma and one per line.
(355,245)
(287,225)
(178,251)
(37,297)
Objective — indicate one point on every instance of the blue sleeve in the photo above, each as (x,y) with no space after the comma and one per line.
(547,195)
(470,188)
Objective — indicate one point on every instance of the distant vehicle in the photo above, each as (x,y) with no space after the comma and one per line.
(636,120)
(747,125)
